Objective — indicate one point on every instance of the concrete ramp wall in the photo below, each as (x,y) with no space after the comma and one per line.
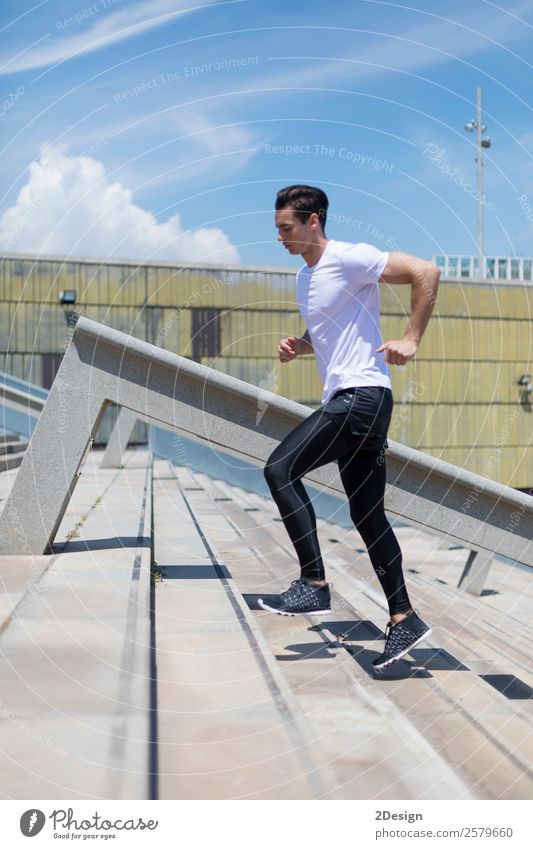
(102,365)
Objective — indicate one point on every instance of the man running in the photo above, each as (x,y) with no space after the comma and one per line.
(337,296)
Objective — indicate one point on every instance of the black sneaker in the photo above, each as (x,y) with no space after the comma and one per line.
(401,638)
(300,598)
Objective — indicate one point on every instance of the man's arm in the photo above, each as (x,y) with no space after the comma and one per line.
(423,276)
(306,346)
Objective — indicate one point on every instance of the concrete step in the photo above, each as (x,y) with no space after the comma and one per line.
(75,647)
(10,460)
(504,600)
(504,622)
(453,694)
(229,724)
(248,704)
(12,447)
(8,437)
(332,692)
(442,690)
(501,614)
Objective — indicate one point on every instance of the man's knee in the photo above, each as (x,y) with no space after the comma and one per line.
(267,471)
(275,473)
(369,519)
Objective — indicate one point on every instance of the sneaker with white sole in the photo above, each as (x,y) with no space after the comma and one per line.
(301,598)
(401,638)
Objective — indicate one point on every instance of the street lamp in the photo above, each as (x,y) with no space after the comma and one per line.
(476,124)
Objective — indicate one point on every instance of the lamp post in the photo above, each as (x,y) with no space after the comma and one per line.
(481,143)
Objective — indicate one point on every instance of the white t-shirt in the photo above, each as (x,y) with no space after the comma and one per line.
(338,298)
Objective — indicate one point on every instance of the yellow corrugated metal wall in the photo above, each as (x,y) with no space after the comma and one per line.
(458,400)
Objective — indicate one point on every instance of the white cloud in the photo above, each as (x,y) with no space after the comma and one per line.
(201,147)
(107,29)
(214,139)
(69,206)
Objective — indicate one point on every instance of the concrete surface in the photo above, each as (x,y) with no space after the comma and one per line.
(190,691)
(102,365)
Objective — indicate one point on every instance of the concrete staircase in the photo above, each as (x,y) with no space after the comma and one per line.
(76,649)
(188,690)
(453,721)
(12,450)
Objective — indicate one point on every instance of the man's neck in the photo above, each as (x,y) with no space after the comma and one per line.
(314,252)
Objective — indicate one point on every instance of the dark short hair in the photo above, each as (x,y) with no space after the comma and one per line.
(304,200)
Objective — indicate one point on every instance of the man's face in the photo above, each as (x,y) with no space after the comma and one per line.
(295,236)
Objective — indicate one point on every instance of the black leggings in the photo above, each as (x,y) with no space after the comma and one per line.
(351,429)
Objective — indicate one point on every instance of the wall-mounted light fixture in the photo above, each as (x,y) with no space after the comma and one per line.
(67,297)
(526,389)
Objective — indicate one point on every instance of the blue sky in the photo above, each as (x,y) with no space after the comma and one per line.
(163,129)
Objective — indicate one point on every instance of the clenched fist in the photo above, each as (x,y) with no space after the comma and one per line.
(399,351)
(289,348)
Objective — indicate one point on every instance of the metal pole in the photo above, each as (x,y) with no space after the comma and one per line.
(479,122)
